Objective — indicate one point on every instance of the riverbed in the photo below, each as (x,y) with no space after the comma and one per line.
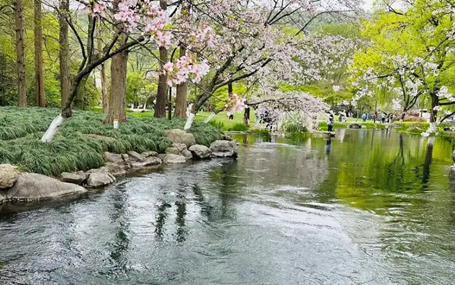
(366,207)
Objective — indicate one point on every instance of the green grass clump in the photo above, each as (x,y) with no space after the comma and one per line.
(82,139)
(205,134)
(294,128)
(217,124)
(239,127)
(260,131)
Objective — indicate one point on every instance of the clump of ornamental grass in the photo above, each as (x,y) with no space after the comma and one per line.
(205,134)
(82,139)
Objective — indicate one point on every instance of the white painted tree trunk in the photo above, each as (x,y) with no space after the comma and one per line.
(210,117)
(433,128)
(53,128)
(189,122)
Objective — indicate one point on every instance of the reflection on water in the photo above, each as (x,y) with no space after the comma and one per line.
(365,207)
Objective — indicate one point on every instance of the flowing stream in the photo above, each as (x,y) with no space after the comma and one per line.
(367,207)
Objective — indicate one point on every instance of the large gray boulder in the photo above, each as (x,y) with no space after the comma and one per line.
(187,154)
(200,151)
(112,157)
(148,162)
(117,169)
(182,150)
(8,175)
(172,150)
(78,177)
(33,187)
(99,177)
(116,164)
(149,153)
(134,156)
(224,149)
(179,146)
(180,136)
(172,158)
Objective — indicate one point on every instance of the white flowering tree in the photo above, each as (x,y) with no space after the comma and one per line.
(292,107)
(263,41)
(411,56)
(133,24)
(396,76)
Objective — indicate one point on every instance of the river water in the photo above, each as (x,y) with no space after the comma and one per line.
(367,207)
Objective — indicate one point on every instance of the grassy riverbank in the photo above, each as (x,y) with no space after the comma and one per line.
(82,139)
(221,120)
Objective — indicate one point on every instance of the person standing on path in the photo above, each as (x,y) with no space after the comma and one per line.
(246,114)
(330,122)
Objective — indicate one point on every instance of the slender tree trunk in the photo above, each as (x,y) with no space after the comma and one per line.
(65,82)
(20,53)
(79,101)
(402,118)
(182,90)
(39,72)
(434,113)
(66,111)
(104,93)
(117,100)
(161,97)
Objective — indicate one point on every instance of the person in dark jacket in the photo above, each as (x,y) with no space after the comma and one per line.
(246,114)
(330,122)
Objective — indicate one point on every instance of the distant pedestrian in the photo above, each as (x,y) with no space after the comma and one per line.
(364,117)
(246,115)
(330,122)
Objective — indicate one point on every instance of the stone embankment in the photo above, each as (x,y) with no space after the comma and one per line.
(17,186)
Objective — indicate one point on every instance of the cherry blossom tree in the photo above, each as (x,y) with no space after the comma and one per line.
(294,107)
(399,76)
(261,41)
(138,23)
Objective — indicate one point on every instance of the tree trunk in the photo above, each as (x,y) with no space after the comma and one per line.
(402,119)
(434,113)
(117,100)
(39,72)
(65,83)
(66,110)
(104,93)
(79,101)
(20,53)
(182,90)
(212,115)
(161,97)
